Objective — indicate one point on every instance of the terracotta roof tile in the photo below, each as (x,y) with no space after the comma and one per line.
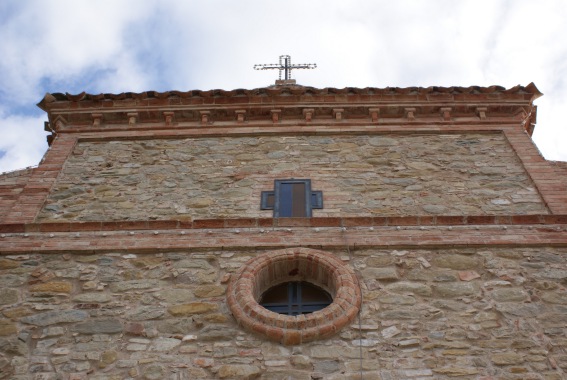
(291,90)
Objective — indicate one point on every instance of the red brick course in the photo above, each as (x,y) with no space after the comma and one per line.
(215,224)
(17,240)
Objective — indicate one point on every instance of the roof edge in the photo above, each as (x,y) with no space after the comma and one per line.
(296,90)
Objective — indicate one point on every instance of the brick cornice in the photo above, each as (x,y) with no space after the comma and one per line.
(86,112)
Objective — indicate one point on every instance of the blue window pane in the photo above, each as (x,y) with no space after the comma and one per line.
(295,298)
(285,200)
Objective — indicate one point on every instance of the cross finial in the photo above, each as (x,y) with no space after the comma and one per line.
(285,66)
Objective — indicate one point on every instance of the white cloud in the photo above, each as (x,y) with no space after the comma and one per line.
(61,41)
(118,46)
(21,144)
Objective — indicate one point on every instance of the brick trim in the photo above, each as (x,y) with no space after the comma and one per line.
(293,264)
(551,187)
(391,237)
(377,221)
(40,182)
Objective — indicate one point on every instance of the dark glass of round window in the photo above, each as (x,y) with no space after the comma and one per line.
(295,297)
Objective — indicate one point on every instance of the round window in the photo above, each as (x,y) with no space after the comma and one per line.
(294,295)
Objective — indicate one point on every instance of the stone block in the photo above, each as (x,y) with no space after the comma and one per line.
(397,300)
(164,344)
(206,291)
(7,327)
(456,371)
(507,358)
(8,296)
(8,264)
(556,297)
(192,308)
(93,298)
(144,313)
(239,371)
(510,295)
(52,287)
(107,358)
(301,362)
(410,287)
(455,289)
(154,372)
(53,317)
(216,333)
(173,296)
(106,326)
(381,274)
(124,286)
(457,262)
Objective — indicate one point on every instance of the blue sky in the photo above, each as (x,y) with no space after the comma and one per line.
(118,46)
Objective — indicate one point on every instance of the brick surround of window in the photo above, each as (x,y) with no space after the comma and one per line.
(294,264)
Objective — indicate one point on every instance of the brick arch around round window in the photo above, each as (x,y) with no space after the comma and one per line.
(294,264)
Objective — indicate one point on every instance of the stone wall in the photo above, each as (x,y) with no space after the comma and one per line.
(472,313)
(376,175)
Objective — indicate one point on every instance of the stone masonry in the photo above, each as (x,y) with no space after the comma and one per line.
(137,248)
(461,174)
(427,314)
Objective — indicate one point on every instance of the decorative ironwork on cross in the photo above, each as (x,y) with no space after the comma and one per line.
(285,66)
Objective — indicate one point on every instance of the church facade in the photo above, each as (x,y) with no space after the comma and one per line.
(286,232)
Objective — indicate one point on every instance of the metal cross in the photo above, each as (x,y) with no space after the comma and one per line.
(285,66)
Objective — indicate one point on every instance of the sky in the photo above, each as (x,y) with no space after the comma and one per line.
(112,46)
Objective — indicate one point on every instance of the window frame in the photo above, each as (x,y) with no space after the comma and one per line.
(313,199)
(294,303)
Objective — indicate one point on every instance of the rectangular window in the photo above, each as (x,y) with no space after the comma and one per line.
(291,198)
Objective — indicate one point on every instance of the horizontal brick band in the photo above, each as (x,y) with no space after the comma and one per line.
(422,220)
(294,264)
